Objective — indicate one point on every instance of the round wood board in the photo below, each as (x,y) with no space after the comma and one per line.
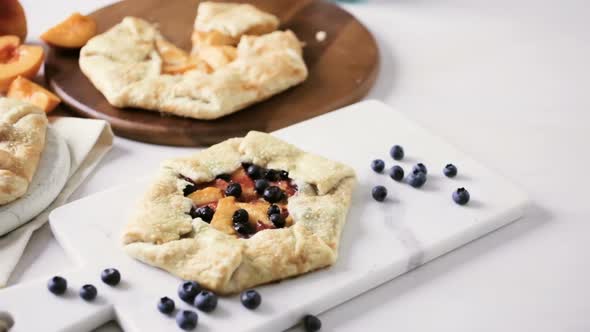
(342,69)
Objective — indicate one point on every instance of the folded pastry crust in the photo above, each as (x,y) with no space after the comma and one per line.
(22,139)
(126,66)
(162,233)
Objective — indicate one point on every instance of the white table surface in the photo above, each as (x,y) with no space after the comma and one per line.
(507,81)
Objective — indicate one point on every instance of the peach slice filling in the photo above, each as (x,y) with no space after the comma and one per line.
(212,194)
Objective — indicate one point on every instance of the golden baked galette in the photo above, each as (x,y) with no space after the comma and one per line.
(242,213)
(238,58)
(22,140)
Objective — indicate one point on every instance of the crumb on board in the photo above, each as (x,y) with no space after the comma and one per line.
(320,36)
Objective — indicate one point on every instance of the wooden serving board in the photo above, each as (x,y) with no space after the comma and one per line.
(342,69)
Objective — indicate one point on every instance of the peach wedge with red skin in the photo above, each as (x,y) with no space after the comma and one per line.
(17,60)
(23,89)
(12,19)
(74,32)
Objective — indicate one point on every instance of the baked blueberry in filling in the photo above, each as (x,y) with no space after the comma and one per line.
(247,201)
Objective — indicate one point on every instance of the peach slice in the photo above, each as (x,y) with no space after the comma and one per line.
(74,32)
(176,61)
(222,219)
(12,19)
(23,89)
(217,56)
(17,60)
(206,195)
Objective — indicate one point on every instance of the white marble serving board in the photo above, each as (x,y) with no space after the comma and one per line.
(50,178)
(380,240)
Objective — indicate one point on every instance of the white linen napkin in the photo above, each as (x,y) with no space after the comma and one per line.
(88,141)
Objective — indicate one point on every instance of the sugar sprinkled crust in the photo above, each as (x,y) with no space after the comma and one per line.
(124,65)
(161,233)
(22,139)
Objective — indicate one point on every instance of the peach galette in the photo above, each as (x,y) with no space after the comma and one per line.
(244,212)
(22,139)
(238,58)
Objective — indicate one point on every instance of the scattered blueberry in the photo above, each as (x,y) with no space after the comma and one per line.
(187,319)
(188,290)
(396,173)
(240,216)
(206,301)
(396,152)
(311,323)
(224,177)
(420,167)
(166,305)
(260,185)
(233,189)
(378,165)
(273,209)
(204,212)
(284,175)
(88,292)
(255,172)
(250,299)
(417,179)
(272,194)
(277,220)
(461,196)
(57,285)
(189,189)
(272,175)
(379,193)
(111,277)
(450,170)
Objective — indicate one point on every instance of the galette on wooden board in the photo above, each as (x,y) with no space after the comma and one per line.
(238,58)
(244,212)
(22,140)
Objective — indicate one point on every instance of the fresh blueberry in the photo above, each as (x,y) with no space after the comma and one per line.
(420,167)
(204,212)
(57,285)
(277,220)
(450,170)
(396,173)
(250,299)
(260,185)
(461,196)
(311,323)
(188,290)
(111,277)
(378,165)
(273,209)
(255,172)
(233,189)
(396,152)
(187,319)
(284,175)
(272,175)
(224,177)
(272,194)
(206,301)
(243,228)
(88,292)
(240,216)
(379,193)
(417,179)
(166,305)
(189,189)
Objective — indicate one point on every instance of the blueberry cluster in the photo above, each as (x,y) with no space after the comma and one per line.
(416,178)
(59,285)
